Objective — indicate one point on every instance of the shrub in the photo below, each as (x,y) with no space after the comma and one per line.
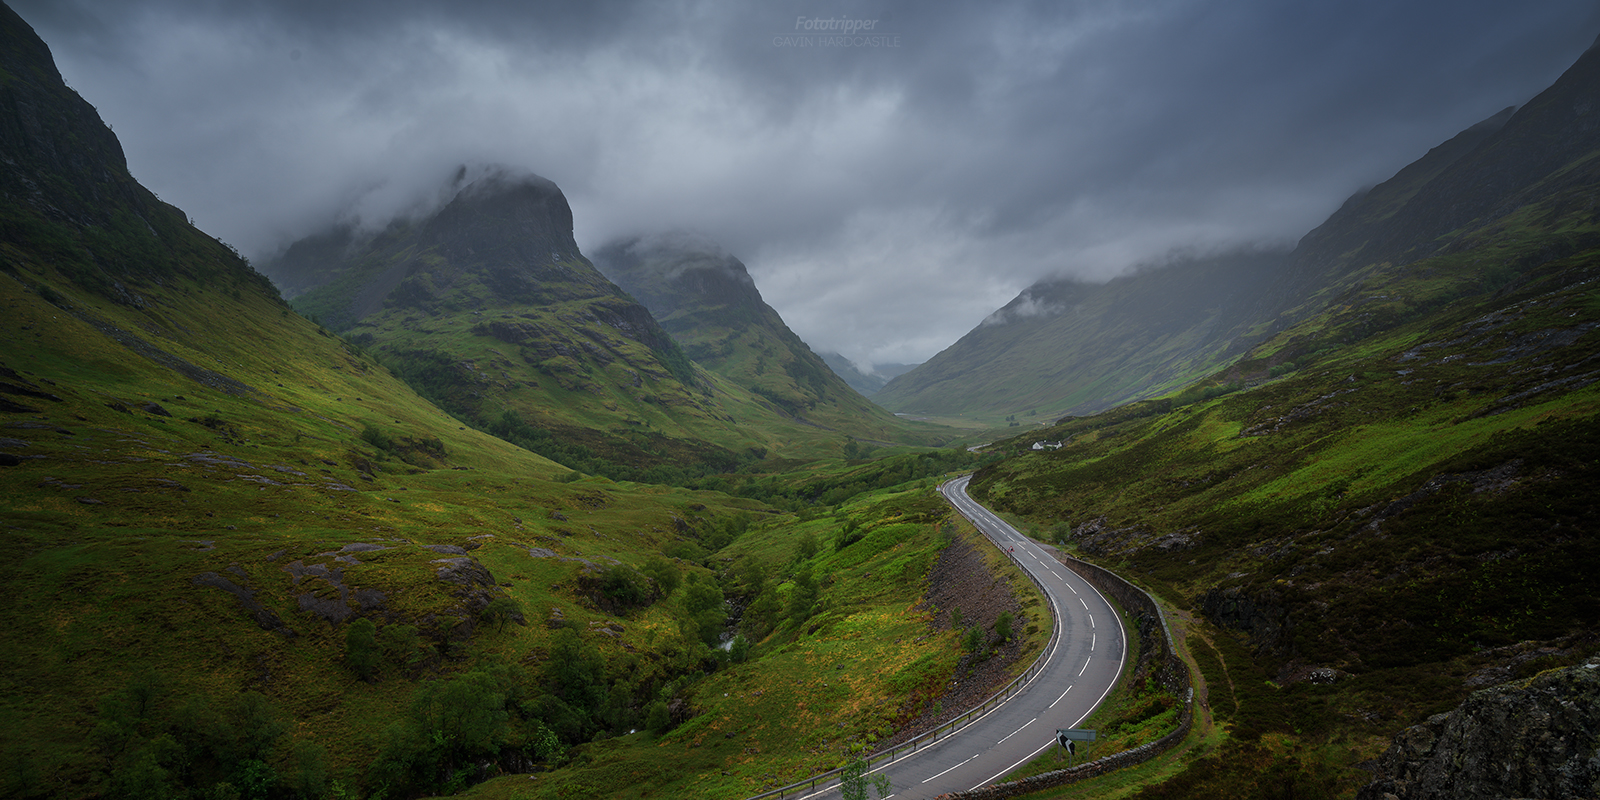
(802,598)
(663,573)
(849,534)
(377,439)
(361,648)
(974,640)
(400,644)
(500,610)
(806,548)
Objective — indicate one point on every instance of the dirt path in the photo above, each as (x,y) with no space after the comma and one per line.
(1202,694)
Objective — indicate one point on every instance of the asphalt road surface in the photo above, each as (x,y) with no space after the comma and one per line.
(1083,666)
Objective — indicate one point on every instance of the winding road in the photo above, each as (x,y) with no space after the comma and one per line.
(1082,667)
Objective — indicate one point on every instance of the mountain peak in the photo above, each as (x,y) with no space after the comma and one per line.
(489,179)
(510,214)
(669,255)
(707,300)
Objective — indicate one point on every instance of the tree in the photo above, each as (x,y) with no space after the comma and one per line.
(541,742)
(1061,532)
(308,777)
(806,548)
(657,718)
(802,598)
(703,608)
(576,671)
(761,616)
(1002,626)
(854,781)
(739,649)
(625,586)
(400,644)
(663,573)
(361,648)
(249,728)
(468,713)
(501,609)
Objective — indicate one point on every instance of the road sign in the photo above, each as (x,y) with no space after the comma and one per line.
(1068,738)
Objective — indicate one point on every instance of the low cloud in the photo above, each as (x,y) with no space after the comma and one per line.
(886,197)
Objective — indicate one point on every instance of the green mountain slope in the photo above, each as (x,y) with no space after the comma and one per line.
(243,558)
(707,300)
(488,308)
(1063,347)
(1394,497)
(1076,349)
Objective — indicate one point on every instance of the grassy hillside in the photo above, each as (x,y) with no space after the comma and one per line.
(247,560)
(487,308)
(707,300)
(1064,347)
(819,686)
(1393,501)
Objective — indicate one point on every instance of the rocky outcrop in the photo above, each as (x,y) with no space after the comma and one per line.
(1535,738)
(1263,618)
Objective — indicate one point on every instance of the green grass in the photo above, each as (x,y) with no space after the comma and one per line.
(1287,490)
(813,693)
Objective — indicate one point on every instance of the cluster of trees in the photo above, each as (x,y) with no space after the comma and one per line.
(159,744)
(456,728)
(427,451)
(512,428)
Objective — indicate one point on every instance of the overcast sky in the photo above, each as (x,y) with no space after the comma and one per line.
(886,195)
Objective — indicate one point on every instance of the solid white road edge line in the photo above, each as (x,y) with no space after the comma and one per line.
(1012,767)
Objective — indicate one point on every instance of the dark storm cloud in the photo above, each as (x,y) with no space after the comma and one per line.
(886,195)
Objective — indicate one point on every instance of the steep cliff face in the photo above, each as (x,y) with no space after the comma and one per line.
(1536,738)
(58,156)
(504,238)
(69,199)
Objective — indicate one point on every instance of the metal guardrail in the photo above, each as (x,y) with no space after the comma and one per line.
(946,729)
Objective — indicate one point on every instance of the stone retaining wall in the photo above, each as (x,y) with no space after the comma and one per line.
(1158,660)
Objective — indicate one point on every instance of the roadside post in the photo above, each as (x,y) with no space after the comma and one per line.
(1068,738)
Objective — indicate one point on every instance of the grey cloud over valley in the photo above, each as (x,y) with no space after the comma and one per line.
(887,196)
